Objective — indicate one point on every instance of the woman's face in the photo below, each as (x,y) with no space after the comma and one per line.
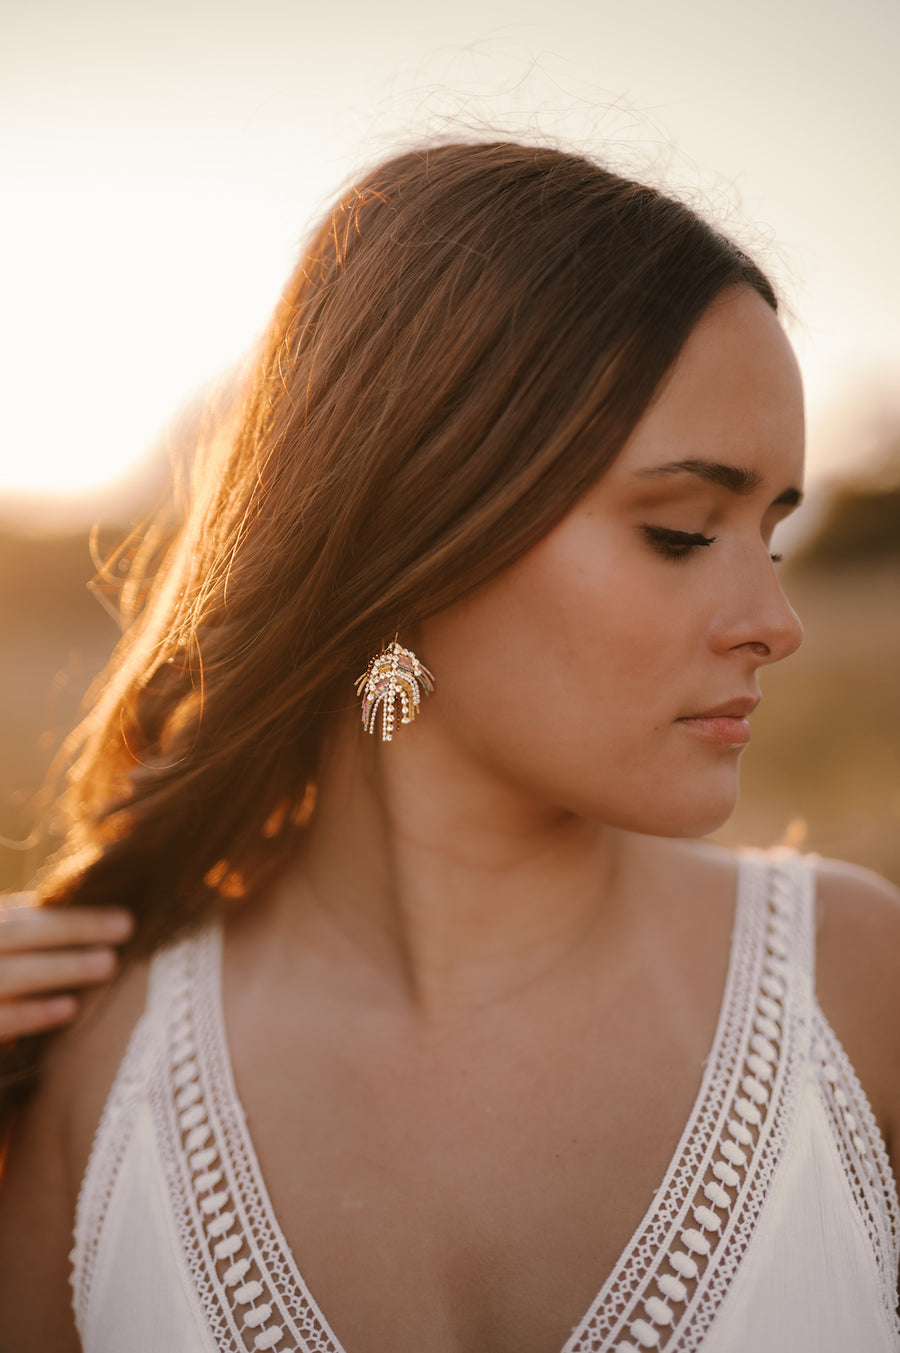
(582,674)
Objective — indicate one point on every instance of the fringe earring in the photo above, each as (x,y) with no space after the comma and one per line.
(395,672)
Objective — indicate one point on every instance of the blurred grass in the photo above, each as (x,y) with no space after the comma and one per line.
(54,638)
(823,766)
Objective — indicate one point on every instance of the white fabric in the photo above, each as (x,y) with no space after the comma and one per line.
(156,1307)
(811,1259)
(775,1230)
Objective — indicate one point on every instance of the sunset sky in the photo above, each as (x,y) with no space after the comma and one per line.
(163,161)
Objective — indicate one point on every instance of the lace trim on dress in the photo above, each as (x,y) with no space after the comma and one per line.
(671,1280)
(239,1262)
(675,1273)
(863,1156)
(107,1153)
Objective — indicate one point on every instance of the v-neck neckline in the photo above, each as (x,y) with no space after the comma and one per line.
(699,1221)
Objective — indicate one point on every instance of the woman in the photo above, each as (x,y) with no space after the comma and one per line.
(521,1066)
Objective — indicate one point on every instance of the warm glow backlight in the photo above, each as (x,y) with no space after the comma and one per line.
(120,300)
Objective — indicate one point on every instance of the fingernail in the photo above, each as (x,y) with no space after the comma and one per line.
(118,925)
(62,1008)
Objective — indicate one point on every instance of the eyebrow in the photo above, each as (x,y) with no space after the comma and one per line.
(735,478)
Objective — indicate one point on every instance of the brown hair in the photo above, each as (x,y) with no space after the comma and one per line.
(466,343)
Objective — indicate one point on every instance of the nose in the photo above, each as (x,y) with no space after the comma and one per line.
(762,621)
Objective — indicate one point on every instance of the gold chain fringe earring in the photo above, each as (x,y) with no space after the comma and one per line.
(394,673)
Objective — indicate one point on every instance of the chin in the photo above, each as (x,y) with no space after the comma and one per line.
(695,825)
(688,810)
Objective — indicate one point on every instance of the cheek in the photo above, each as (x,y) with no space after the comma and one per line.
(565,679)
(566,652)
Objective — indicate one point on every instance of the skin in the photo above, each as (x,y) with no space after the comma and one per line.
(495,968)
(44,952)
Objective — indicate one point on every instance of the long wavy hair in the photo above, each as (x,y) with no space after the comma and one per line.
(464,346)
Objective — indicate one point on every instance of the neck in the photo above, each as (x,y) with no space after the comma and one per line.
(456,887)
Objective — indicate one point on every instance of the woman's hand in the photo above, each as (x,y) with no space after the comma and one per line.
(47,951)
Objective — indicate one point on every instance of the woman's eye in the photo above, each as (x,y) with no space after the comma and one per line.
(673,544)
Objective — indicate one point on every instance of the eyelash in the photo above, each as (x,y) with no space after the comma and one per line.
(673,544)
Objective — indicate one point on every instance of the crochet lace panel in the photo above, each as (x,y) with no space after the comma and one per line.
(240,1264)
(670,1282)
(863,1156)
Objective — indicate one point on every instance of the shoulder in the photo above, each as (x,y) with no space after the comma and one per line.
(857,929)
(850,889)
(79,1068)
(47,1154)
(82,1065)
(857,972)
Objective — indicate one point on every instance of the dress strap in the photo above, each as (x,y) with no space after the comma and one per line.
(861,1147)
(682,1260)
(240,1265)
(129,1089)
(789,897)
(854,1129)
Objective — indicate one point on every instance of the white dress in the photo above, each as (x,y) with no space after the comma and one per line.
(775,1230)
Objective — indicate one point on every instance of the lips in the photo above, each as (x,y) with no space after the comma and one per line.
(731,709)
(725,724)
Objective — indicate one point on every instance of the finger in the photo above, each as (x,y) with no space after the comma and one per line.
(32,1017)
(56,970)
(28,927)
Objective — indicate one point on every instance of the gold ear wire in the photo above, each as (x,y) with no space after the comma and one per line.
(395,673)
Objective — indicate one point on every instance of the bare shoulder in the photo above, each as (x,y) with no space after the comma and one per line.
(858,977)
(83,1064)
(858,928)
(47,1154)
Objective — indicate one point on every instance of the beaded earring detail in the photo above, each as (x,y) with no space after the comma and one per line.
(395,672)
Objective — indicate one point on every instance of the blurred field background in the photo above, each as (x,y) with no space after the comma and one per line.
(823,769)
